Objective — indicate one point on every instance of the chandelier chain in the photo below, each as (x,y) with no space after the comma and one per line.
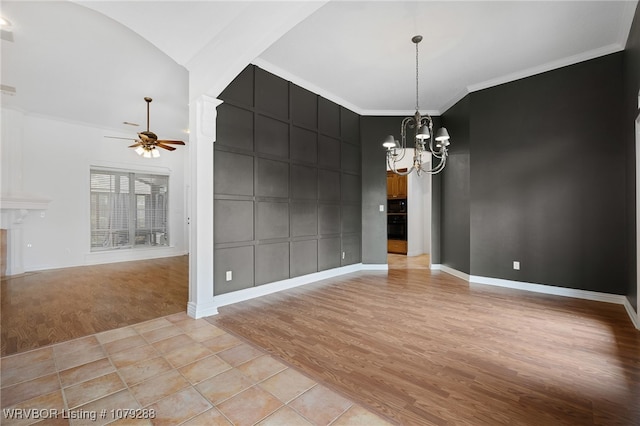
(417,103)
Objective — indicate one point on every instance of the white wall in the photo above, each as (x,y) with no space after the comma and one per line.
(56,157)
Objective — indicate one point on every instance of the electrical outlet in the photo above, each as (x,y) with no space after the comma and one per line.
(229,275)
(516,265)
(343,253)
(381,207)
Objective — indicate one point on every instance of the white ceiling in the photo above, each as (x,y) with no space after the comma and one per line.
(94,63)
(361,52)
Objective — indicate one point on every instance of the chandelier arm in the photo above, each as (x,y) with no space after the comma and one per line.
(394,170)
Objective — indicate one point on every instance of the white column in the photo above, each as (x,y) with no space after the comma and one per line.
(203,134)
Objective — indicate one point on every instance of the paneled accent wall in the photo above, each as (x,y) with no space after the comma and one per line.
(287,183)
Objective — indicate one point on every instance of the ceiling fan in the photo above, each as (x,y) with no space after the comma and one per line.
(147,145)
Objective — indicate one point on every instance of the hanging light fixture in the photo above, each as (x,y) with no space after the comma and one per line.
(423,142)
(148,151)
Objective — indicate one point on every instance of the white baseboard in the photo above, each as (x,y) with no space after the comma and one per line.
(545,289)
(635,318)
(201,310)
(549,289)
(265,289)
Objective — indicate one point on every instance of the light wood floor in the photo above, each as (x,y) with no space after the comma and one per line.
(41,308)
(422,347)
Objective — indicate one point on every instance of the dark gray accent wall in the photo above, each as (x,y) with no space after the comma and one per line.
(454,186)
(374,186)
(287,183)
(547,179)
(632,91)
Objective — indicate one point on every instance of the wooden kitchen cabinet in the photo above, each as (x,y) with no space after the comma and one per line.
(396,185)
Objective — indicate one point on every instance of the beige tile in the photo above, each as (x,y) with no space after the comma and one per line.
(131,422)
(249,407)
(179,407)
(131,356)
(80,357)
(203,369)
(224,385)
(124,344)
(222,342)
(90,390)
(122,400)
(285,416)
(180,316)
(288,384)
(206,332)
(143,370)
(212,417)
(173,343)
(191,324)
(158,387)
(66,348)
(50,401)
(261,368)
(187,354)
(86,372)
(320,405)
(25,358)
(162,333)
(239,354)
(25,391)
(358,416)
(147,326)
(27,372)
(117,334)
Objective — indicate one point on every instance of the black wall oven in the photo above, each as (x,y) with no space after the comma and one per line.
(397,227)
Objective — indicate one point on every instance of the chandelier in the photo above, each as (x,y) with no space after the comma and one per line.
(423,142)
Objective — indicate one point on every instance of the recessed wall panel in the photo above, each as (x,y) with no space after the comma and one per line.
(241,88)
(304,145)
(351,249)
(350,158)
(304,257)
(273,178)
(272,220)
(272,94)
(328,117)
(328,185)
(304,107)
(304,182)
(272,136)
(233,221)
(328,253)
(304,219)
(272,262)
(351,218)
(234,173)
(237,260)
(234,127)
(328,152)
(349,126)
(328,219)
(350,188)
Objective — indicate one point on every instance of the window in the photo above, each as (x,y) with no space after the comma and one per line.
(128,210)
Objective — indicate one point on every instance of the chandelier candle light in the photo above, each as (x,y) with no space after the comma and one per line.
(423,125)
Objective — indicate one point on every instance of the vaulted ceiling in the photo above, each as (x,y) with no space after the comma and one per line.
(69,56)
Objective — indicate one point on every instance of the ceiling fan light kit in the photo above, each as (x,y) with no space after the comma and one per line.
(423,125)
(147,145)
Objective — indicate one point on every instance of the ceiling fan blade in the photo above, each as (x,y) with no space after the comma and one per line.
(167,147)
(171,142)
(126,139)
(135,145)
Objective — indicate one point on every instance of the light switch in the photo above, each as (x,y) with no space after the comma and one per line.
(516,265)
(229,275)
(381,207)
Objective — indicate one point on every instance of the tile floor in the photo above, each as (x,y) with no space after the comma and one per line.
(180,370)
